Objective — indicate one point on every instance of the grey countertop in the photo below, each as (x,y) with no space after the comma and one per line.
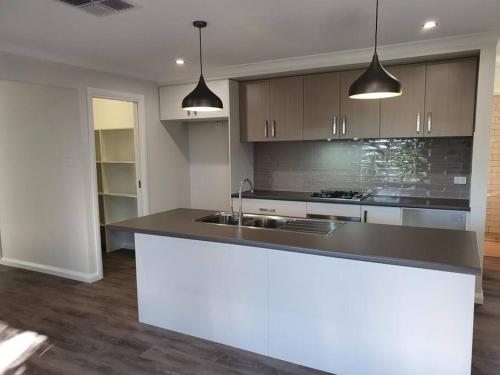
(376,200)
(435,249)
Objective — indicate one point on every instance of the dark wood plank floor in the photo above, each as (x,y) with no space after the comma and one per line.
(93,329)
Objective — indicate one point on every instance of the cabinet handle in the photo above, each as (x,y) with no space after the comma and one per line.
(265,128)
(273,129)
(334,125)
(429,122)
(365,216)
(418,122)
(344,125)
(267,210)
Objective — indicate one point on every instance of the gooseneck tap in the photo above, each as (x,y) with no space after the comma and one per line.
(240,213)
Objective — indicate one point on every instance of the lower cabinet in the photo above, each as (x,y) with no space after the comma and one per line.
(271,207)
(381,215)
(413,217)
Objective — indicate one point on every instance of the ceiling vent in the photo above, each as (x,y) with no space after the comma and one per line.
(100,7)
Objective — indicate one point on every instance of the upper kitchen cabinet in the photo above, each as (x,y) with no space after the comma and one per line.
(171,102)
(254,111)
(359,118)
(450,98)
(272,110)
(321,106)
(286,108)
(403,116)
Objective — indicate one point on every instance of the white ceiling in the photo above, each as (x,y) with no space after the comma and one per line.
(145,42)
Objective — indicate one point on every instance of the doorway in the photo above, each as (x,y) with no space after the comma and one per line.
(120,193)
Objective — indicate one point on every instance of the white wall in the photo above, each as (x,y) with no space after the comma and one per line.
(42,196)
(209,165)
(167,151)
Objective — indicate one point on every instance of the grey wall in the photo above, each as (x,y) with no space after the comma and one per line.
(406,167)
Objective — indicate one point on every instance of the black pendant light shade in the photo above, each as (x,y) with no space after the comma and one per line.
(375,82)
(201,99)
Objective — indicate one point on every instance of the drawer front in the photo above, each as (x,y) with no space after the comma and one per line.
(334,209)
(272,207)
(381,215)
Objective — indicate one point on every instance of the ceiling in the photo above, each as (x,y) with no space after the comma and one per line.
(144,42)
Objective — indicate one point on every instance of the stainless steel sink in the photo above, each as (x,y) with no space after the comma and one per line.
(310,226)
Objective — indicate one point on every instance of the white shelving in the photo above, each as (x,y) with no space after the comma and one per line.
(116,168)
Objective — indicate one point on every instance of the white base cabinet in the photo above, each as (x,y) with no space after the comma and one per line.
(381,215)
(271,207)
(337,315)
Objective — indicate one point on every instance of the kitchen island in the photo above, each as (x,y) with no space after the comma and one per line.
(367,298)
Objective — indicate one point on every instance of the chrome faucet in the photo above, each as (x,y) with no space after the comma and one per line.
(240,214)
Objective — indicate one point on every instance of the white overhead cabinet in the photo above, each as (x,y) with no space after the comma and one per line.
(171,102)
(218,161)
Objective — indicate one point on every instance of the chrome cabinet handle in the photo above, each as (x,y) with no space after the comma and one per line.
(418,122)
(265,128)
(273,129)
(267,209)
(344,125)
(365,216)
(429,122)
(334,125)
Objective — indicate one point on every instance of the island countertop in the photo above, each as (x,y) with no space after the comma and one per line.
(434,249)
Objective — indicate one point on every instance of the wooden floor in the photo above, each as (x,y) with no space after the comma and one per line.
(93,329)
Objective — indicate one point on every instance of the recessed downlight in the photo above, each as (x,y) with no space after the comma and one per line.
(180,61)
(431,24)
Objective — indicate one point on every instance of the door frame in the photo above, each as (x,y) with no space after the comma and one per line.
(141,160)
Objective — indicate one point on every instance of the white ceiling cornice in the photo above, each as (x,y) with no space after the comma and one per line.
(359,57)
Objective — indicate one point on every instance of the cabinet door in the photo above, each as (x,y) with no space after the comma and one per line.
(359,118)
(450,98)
(403,116)
(321,106)
(254,111)
(381,215)
(286,107)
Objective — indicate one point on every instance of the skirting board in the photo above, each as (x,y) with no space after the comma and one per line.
(479,298)
(55,271)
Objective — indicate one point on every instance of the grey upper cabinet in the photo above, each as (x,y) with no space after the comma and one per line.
(321,106)
(359,118)
(254,111)
(450,98)
(286,106)
(403,116)
(438,101)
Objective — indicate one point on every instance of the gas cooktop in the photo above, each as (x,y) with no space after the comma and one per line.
(340,195)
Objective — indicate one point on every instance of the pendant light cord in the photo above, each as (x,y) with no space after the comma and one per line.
(376,26)
(201,61)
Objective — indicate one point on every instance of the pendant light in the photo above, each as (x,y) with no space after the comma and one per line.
(201,99)
(375,82)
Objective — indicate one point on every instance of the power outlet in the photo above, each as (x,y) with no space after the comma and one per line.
(459,180)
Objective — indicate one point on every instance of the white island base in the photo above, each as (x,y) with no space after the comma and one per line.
(337,315)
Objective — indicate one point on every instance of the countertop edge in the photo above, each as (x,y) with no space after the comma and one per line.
(359,203)
(363,258)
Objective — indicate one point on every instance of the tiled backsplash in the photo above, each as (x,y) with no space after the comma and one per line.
(422,167)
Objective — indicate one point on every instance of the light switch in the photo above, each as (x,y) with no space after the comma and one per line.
(459,180)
